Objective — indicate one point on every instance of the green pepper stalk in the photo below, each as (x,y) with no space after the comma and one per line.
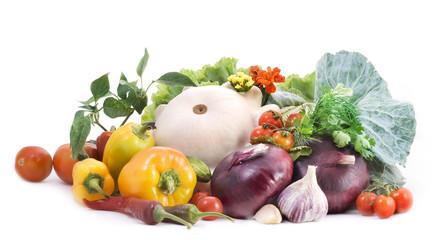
(191,213)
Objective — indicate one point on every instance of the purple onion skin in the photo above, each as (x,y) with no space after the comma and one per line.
(341,183)
(248,179)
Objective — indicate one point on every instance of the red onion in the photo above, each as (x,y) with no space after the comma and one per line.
(341,174)
(248,179)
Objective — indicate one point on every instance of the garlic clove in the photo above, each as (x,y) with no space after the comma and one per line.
(303,200)
(268,214)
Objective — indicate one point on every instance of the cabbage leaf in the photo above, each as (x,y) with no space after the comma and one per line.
(389,122)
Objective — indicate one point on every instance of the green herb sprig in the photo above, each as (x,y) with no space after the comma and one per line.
(336,116)
(129,98)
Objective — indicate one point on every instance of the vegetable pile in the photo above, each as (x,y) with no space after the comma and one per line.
(247,143)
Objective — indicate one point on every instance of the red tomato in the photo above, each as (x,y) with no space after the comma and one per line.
(63,162)
(210,204)
(198,196)
(403,199)
(284,139)
(260,132)
(364,203)
(101,141)
(33,163)
(384,206)
(271,117)
(292,119)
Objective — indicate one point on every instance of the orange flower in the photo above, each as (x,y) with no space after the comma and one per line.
(254,72)
(268,78)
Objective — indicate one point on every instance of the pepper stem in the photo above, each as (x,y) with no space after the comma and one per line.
(169,182)
(141,131)
(94,183)
(160,214)
(206,214)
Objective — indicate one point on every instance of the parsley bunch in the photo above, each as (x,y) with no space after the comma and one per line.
(337,116)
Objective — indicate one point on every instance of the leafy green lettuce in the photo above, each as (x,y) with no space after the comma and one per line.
(389,122)
(216,74)
(294,91)
(302,86)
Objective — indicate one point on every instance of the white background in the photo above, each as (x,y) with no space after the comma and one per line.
(50,51)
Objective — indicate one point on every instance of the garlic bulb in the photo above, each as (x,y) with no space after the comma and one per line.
(303,200)
(268,214)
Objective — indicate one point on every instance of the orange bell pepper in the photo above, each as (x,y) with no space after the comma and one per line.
(158,173)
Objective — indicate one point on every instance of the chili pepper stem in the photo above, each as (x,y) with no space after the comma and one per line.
(206,214)
(160,214)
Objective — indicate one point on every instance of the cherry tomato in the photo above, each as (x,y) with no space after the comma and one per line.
(403,199)
(198,196)
(33,163)
(101,141)
(364,203)
(284,139)
(210,204)
(292,118)
(384,206)
(260,132)
(271,117)
(63,162)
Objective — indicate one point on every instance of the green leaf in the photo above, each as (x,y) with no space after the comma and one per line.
(341,139)
(128,91)
(385,173)
(123,77)
(100,87)
(304,87)
(175,79)
(217,73)
(296,152)
(140,104)
(78,134)
(142,64)
(92,99)
(148,113)
(283,98)
(114,108)
(389,122)
(88,107)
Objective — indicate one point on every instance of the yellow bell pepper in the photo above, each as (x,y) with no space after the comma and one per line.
(158,173)
(91,180)
(123,144)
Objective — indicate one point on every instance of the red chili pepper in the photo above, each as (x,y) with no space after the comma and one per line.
(150,212)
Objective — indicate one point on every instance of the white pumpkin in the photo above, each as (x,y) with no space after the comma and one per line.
(209,122)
